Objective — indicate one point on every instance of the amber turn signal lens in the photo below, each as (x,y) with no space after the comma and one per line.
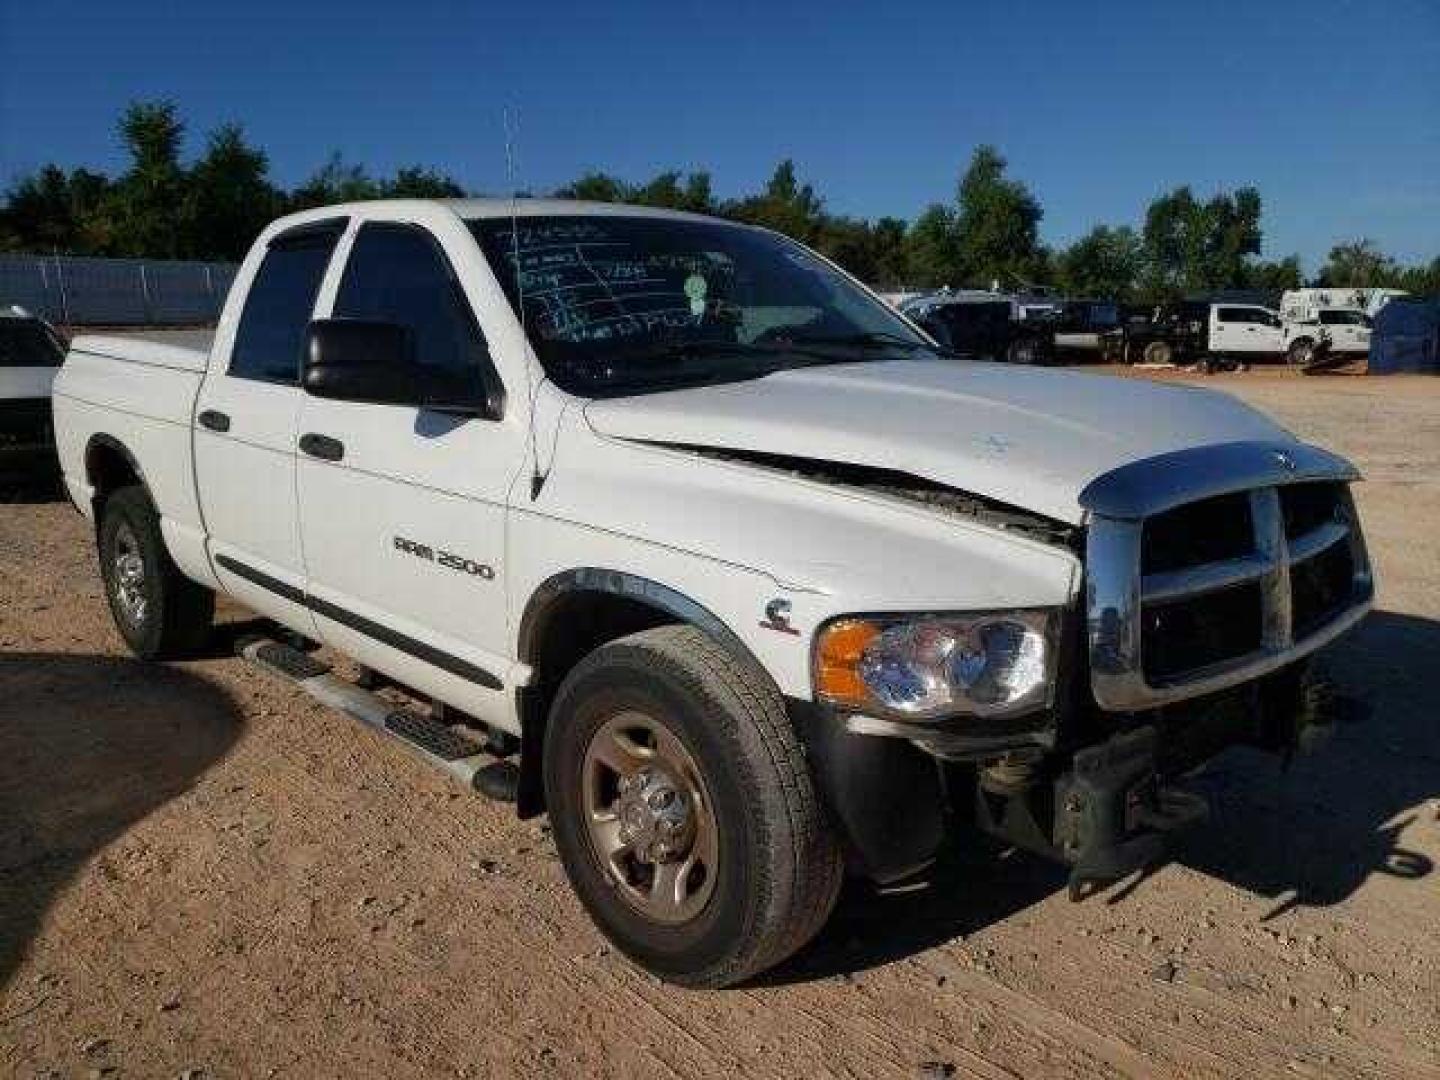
(837,660)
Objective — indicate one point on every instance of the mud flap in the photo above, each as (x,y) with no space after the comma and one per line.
(1112,814)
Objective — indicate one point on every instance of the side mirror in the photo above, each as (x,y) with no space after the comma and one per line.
(373,362)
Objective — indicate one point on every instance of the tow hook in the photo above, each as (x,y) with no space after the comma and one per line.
(1112,814)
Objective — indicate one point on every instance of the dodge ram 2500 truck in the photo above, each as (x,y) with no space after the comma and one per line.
(747,580)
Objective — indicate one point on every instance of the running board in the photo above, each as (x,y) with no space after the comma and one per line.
(434,743)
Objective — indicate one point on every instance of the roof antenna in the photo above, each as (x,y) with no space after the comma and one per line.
(532,388)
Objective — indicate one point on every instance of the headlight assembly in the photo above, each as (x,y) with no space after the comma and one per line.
(924,667)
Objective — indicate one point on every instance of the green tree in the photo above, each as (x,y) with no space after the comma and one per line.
(786,205)
(1104,263)
(667,191)
(998,224)
(932,249)
(1359,264)
(1422,280)
(596,187)
(230,197)
(1275,276)
(335,182)
(416,182)
(143,207)
(53,211)
(1190,246)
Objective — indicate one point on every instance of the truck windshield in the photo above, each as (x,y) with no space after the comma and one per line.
(628,305)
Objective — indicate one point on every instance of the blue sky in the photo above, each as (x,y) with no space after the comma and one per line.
(1332,108)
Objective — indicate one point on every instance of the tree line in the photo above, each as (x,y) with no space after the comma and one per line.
(987,233)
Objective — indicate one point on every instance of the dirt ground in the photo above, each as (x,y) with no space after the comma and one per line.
(204,874)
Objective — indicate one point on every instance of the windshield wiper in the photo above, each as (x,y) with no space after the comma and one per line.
(690,363)
(868,339)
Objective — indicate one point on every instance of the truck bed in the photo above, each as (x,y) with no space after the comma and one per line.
(135,397)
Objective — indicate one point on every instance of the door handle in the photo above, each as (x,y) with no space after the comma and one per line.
(215,421)
(322,446)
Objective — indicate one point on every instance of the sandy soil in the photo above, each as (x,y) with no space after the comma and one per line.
(204,874)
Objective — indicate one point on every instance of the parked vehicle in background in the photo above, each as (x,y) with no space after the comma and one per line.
(1406,337)
(1345,331)
(1299,305)
(758,583)
(1246,332)
(1162,334)
(1081,325)
(1190,330)
(30,354)
(984,326)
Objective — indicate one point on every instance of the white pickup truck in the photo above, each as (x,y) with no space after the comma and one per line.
(757,583)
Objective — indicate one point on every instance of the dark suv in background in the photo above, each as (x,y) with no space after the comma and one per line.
(30,354)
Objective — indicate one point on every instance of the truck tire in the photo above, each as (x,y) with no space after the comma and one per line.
(683,809)
(1158,352)
(1022,351)
(1298,355)
(159,612)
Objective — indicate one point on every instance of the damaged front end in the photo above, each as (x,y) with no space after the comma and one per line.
(1212,575)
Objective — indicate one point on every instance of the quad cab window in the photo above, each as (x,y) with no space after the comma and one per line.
(397,273)
(279,305)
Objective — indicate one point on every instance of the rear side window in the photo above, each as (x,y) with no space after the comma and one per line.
(279,305)
(1342,318)
(397,273)
(1234,314)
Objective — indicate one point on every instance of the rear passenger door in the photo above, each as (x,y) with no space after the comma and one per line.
(1251,330)
(404,530)
(246,416)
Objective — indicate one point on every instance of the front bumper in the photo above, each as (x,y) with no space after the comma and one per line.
(27,440)
(1105,799)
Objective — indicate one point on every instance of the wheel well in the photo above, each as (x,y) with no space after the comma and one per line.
(108,468)
(569,616)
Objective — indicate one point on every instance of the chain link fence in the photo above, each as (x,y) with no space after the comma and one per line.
(75,290)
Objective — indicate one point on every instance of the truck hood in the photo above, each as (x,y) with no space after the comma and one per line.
(1029,437)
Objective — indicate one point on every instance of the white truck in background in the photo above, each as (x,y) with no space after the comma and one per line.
(758,584)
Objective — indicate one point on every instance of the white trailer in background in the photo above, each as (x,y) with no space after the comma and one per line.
(1304,305)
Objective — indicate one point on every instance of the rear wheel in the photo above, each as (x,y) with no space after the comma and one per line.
(158,610)
(683,809)
(1299,352)
(1159,352)
(1022,351)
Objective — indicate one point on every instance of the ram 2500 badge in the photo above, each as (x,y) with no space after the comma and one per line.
(756,583)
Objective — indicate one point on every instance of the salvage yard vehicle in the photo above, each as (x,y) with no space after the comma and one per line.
(1190,330)
(30,354)
(1344,332)
(757,584)
(984,326)
(1082,325)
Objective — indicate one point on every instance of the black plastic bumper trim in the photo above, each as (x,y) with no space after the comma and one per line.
(371,629)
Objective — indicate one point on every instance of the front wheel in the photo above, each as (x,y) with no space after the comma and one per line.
(1299,353)
(159,612)
(683,809)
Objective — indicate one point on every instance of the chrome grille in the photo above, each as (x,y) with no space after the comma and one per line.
(1183,603)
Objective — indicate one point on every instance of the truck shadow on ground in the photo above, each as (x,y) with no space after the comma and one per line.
(1303,836)
(89,745)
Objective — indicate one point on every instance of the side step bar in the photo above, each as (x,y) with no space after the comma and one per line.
(433,742)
